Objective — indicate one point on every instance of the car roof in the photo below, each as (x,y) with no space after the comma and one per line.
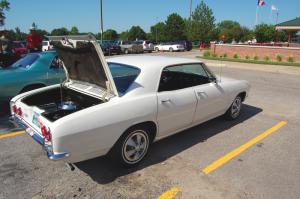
(151,62)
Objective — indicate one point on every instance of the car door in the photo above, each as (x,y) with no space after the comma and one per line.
(211,97)
(176,102)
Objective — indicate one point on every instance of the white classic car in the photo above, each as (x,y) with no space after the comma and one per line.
(121,105)
(169,46)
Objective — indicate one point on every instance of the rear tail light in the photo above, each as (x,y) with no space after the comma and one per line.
(46,133)
(19,111)
(14,109)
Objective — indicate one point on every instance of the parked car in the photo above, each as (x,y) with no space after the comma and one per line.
(46,46)
(147,45)
(130,47)
(110,47)
(187,44)
(120,105)
(19,47)
(169,46)
(7,59)
(33,71)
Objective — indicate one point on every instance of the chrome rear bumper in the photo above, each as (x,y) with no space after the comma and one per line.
(39,139)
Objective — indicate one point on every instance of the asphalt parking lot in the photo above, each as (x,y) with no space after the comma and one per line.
(256,156)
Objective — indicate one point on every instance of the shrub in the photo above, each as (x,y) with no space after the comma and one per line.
(235,56)
(279,58)
(206,54)
(266,58)
(290,59)
(214,55)
(255,57)
(225,55)
(247,57)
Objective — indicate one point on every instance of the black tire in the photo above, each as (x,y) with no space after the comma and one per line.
(170,49)
(156,50)
(31,87)
(121,151)
(126,51)
(235,108)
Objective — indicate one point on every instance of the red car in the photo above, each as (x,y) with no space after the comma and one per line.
(19,47)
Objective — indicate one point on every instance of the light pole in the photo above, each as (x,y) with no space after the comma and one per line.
(156,30)
(191,3)
(101,20)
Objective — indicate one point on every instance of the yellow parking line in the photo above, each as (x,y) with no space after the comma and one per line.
(218,163)
(11,134)
(170,194)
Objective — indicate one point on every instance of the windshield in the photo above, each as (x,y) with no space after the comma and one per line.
(26,61)
(123,76)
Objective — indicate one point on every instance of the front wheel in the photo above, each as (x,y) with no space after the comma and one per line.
(170,49)
(132,147)
(156,49)
(235,109)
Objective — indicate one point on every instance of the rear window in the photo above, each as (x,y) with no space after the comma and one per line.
(26,61)
(123,76)
(45,43)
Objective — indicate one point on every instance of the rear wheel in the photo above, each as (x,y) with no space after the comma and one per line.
(126,51)
(235,109)
(170,49)
(156,49)
(132,147)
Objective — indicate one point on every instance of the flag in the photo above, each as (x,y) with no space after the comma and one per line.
(261,3)
(274,8)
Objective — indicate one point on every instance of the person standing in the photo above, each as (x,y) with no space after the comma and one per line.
(34,40)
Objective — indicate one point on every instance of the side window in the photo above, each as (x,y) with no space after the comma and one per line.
(183,76)
(56,63)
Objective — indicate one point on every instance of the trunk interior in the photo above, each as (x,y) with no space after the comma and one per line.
(58,102)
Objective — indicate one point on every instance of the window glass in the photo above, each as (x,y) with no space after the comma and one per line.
(26,61)
(56,63)
(123,76)
(183,76)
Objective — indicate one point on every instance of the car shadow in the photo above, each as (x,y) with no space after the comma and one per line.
(103,171)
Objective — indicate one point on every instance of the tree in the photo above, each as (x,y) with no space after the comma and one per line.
(124,35)
(42,33)
(4,5)
(20,36)
(229,31)
(74,31)
(201,25)
(59,31)
(136,32)
(110,34)
(264,33)
(157,32)
(174,28)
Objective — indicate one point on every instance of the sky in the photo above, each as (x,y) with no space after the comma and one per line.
(120,15)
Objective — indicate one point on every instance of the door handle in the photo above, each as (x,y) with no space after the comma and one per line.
(165,100)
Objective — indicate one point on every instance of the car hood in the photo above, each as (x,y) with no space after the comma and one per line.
(84,62)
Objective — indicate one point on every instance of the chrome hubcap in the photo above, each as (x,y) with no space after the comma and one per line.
(135,147)
(236,107)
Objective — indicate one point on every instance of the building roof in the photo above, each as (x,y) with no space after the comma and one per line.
(293,24)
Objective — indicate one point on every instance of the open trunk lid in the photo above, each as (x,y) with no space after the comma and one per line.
(86,68)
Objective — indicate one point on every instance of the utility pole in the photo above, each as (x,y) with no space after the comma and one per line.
(101,20)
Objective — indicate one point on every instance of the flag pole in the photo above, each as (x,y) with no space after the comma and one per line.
(256,18)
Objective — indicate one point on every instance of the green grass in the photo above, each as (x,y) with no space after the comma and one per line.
(251,61)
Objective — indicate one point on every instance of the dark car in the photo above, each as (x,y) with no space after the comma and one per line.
(187,44)
(110,47)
